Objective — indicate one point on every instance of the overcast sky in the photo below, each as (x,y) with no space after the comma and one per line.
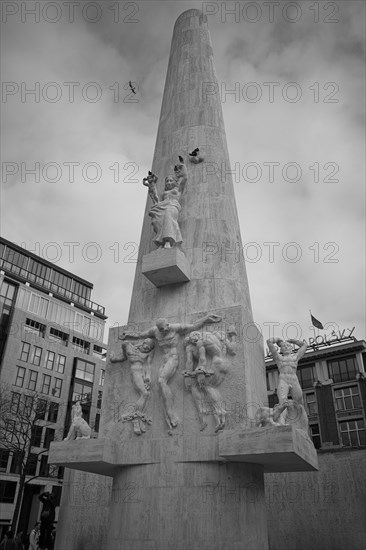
(309,121)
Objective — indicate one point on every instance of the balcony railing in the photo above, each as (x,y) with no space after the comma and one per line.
(58,290)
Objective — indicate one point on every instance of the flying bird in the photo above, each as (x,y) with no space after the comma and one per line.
(194,152)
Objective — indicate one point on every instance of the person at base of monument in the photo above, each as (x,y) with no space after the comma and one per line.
(167,337)
(140,357)
(34,536)
(287,362)
(47,518)
(8,542)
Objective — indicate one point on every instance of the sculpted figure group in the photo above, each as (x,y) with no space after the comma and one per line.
(206,367)
(166,335)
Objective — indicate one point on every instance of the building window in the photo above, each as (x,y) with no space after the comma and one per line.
(32,380)
(50,359)
(60,364)
(61,284)
(58,336)
(97,422)
(36,356)
(17,462)
(34,327)
(342,370)
(353,433)
(347,398)
(46,383)
(17,260)
(28,404)
(15,400)
(41,409)
(32,464)
(310,404)
(36,436)
(98,351)
(80,345)
(82,392)
(315,435)
(38,305)
(4,458)
(44,467)
(39,273)
(19,381)
(49,437)
(306,376)
(24,355)
(8,291)
(53,412)
(7,491)
(9,431)
(56,392)
(85,370)
(101,377)
(100,397)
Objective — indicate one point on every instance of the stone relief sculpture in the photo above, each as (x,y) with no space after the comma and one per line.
(287,361)
(164,213)
(139,357)
(206,367)
(268,416)
(167,337)
(79,428)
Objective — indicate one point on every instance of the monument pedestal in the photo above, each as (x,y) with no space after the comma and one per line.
(190,493)
(165,266)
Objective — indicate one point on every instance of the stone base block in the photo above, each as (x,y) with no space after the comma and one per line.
(166,266)
(97,456)
(279,449)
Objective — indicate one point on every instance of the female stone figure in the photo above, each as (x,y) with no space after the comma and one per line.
(164,214)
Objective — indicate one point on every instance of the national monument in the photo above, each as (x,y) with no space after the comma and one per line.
(185,436)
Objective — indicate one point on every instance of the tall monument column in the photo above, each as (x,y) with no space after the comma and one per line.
(187,371)
(188,497)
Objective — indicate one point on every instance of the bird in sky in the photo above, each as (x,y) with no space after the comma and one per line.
(194,152)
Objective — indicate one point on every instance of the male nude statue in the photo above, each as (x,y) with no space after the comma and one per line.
(140,357)
(167,337)
(200,348)
(287,362)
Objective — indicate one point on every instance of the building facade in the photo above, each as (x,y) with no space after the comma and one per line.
(51,349)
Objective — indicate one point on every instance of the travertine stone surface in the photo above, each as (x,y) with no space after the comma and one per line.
(166,267)
(278,448)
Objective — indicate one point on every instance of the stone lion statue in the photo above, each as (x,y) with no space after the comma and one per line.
(79,428)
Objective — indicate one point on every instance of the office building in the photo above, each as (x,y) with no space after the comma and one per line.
(51,349)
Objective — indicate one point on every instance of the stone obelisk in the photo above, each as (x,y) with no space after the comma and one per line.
(188,498)
(187,372)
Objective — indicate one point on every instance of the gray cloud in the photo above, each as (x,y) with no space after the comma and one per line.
(109,131)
